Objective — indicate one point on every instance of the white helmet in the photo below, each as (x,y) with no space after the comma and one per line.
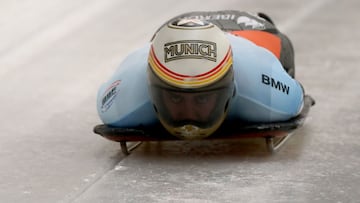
(190,77)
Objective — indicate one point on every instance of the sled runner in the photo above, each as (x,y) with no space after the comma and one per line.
(275,134)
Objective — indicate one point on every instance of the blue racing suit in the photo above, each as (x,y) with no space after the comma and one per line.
(265,92)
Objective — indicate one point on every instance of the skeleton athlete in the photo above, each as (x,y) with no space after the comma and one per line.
(201,69)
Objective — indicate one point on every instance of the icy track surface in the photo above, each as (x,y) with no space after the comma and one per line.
(55,54)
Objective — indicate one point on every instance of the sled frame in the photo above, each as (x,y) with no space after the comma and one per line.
(276,134)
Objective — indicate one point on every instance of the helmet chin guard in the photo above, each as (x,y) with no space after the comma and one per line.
(190,77)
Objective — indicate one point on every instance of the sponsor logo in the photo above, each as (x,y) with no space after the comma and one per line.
(254,24)
(109,96)
(267,80)
(191,23)
(214,17)
(190,49)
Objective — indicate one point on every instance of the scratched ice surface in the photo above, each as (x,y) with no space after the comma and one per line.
(55,54)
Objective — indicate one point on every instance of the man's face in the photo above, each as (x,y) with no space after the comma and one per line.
(189,106)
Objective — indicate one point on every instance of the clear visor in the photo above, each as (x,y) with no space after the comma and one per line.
(201,109)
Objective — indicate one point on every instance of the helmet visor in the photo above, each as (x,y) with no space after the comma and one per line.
(202,109)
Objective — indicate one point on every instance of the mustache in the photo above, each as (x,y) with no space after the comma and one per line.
(179,123)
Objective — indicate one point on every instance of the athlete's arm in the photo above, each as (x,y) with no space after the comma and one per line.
(264,90)
(124,100)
